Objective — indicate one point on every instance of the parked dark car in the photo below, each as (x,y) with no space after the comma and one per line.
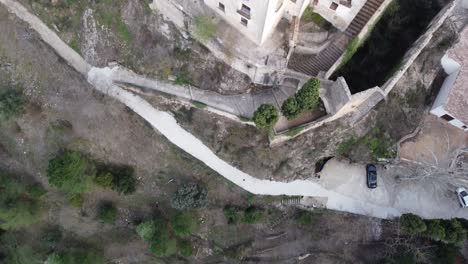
(371,172)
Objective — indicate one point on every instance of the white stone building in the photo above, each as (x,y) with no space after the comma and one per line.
(451,103)
(258,19)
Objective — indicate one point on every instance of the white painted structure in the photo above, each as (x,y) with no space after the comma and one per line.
(257,19)
(340,17)
(451,103)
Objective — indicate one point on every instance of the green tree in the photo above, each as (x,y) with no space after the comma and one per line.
(184,223)
(69,172)
(290,108)
(435,229)
(146,230)
(412,224)
(11,103)
(454,232)
(185,248)
(308,97)
(252,215)
(266,116)
(191,195)
(107,213)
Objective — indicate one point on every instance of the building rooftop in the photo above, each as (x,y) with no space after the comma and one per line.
(457,102)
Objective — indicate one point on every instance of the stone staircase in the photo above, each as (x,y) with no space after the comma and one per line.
(312,64)
(362,17)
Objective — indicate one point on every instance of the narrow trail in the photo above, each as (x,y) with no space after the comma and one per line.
(101,79)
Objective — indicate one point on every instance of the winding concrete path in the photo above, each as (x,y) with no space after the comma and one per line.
(106,80)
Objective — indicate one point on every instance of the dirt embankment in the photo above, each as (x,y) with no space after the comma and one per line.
(128,32)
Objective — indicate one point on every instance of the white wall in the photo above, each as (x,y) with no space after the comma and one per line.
(264,17)
(258,10)
(449,65)
(440,111)
(444,91)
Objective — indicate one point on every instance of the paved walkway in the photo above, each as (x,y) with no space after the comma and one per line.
(240,105)
(341,187)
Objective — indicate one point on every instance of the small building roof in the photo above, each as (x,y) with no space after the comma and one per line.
(457,101)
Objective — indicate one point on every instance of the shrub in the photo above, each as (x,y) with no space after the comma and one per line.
(124,181)
(15,251)
(454,232)
(36,191)
(146,230)
(164,246)
(107,213)
(76,200)
(190,195)
(18,206)
(252,215)
(51,237)
(104,180)
(304,218)
(156,232)
(185,248)
(11,104)
(69,172)
(232,214)
(266,116)
(76,256)
(290,108)
(183,78)
(184,223)
(308,96)
(445,253)
(345,147)
(205,28)
(412,224)
(120,178)
(435,230)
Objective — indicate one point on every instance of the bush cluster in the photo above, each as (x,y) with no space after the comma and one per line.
(159,234)
(119,178)
(72,172)
(11,104)
(250,215)
(448,231)
(306,99)
(189,195)
(19,202)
